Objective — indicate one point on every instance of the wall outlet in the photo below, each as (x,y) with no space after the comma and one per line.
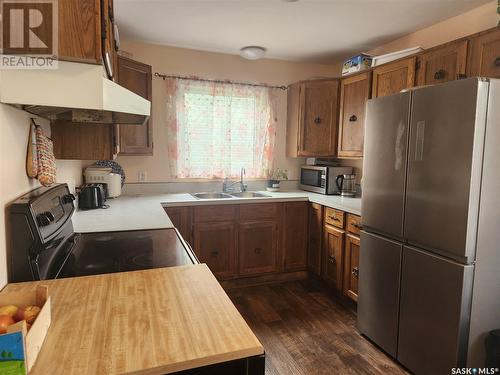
(141,176)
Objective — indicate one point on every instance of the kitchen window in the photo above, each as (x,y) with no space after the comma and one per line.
(215,129)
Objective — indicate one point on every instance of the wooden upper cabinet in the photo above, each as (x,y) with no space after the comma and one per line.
(351,267)
(295,236)
(484,56)
(136,76)
(258,247)
(315,238)
(442,64)
(333,258)
(80,30)
(82,141)
(354,92)
(312,118)
(86,33)
(391,78)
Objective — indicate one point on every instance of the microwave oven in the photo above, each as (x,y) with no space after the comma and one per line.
(321,179)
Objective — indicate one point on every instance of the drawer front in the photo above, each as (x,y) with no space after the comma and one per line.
(215,213)
(353,224)
(334,217)
(258,211)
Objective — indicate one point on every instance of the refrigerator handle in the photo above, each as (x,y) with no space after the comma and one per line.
(419,146)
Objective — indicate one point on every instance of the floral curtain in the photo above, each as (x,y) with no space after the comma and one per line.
(215,129)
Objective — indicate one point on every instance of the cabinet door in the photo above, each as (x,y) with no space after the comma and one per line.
(292,120)
(258,247)
(393,77)
(136,76)
(79,30)
(333,246)
(318,118)
(351,267)
(82,141)
(215,245)
(354,93)
(295,236)
(315,236)
(181,218)
(442,64)
(484,58)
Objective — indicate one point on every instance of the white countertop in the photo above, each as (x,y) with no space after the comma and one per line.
(138,212)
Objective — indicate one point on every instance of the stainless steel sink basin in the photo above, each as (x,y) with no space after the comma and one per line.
(249,194)
(211,195)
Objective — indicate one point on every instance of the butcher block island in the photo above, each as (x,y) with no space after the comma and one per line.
(157,321)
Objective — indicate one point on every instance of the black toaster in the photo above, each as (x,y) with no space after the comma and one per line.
(92,196)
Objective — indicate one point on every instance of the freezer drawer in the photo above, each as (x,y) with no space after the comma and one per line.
(384,169)
(378,294)
(444,167)
(434,313)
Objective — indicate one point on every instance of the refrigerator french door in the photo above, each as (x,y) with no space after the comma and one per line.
(425,152)
(384,179)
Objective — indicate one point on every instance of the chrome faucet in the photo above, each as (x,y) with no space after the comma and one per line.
(228,187)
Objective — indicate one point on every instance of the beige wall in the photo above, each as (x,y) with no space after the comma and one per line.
(14,129)
(171,60)
(473,21)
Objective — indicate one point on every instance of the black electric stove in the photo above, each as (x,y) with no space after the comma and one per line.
(44,245)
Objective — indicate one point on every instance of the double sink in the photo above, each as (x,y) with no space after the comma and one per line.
(243,194)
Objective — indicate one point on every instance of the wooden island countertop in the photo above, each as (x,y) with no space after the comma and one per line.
(154,321)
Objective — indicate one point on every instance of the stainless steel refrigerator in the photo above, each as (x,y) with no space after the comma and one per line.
(429,273)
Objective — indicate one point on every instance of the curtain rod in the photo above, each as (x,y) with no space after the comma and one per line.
(164,76)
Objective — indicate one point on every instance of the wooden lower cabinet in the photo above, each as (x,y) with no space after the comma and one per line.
(215,244)
(315,238)
(258,247)
(295,216)
(351,266)
(333,257)
(181,218)
(246,240)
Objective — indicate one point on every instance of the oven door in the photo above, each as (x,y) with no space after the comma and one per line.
(313,179)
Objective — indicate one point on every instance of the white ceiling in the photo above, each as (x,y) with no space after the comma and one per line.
(307,30)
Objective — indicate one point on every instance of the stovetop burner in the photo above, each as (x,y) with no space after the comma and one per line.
(97,253)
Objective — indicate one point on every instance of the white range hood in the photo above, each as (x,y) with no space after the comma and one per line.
(73,92)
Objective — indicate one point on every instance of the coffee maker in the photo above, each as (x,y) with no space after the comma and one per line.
(346,183)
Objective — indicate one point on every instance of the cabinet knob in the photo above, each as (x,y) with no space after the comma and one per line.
(257,250)
(497,61)
(334,218)
(353,118)
(214,254)
(317,120)
(439,74)
(356,225)
(332,259)
(355,272)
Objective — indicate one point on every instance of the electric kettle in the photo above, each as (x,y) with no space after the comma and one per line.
(346,183)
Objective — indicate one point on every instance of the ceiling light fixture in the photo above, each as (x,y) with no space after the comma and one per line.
(252,52)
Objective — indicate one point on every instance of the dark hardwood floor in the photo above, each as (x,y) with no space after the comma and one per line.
(306,330)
